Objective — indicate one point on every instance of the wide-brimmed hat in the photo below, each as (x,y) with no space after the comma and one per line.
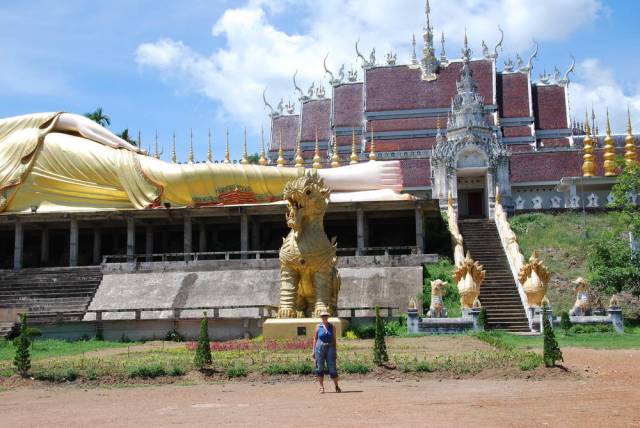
(324,314)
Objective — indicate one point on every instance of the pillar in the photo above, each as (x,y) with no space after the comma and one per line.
(419,230)
(202,238)
(131,239)
(97,246)
(44,247)
(148,244)
(73,242)
(360,231)
(187,236)
(244,234)
(165,240)
(255,236)
(18,245)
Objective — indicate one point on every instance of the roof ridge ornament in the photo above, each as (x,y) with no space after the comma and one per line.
(272,112)
(498,45)
(320,91)
(565,79)
(291,108)
(414,57)
(429,63)
(352,75)
(391,58)
(508,65)
(302,96)
(533,56)
(485,50)
(443,53)
(332,79)
(365,63)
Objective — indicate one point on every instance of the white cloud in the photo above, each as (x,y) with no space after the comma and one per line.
(256,54)
(595,85)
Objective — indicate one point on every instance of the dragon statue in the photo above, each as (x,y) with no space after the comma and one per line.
(469,276)
(534,277)
(309,279)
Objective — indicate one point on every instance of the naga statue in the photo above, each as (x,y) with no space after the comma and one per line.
(469,276)
(534,277)
(437,309)
(309,279)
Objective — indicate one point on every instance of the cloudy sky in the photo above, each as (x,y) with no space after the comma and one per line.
(156,65)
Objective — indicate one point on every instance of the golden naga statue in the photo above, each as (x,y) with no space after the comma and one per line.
(469,275)
(65,162)
(437,309)
(534,277)
(582,306)
(309,279)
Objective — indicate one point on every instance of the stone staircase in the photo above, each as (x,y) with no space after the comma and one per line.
(51,294)
(499,292)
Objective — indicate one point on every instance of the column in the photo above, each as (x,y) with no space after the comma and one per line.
(73,243)
(255,235)
(97,245)
(131,239)
(187,236)
(148,244)
(419,230)
(44,247)
(360,231)
(165,240)
(244,234)
(202,238)
(18,245)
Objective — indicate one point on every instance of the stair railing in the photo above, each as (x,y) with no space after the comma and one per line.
(454,230)
(511,248)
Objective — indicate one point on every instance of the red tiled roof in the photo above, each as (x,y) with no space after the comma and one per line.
(513,94)
(347,105)
(315,115)
(287,126)
(401,88)
(549,107)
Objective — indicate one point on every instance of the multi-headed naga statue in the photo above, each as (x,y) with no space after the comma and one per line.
(309,280)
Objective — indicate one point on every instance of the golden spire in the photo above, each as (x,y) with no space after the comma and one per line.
(209,152)
(354,155)
(316,156)
(174,157)
(263,159)
(630,154)
(280,161)
(588,164)
(609,152)
(191,146)
(299,160)
(372,151)
(157,154)
(335,158)
(245,156)
(227,158)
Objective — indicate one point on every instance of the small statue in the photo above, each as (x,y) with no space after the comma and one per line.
(508,65)
(353,75)
(391,58)
(556,74)
(582,306)
(280,107)
(534,277)
(519,62)
(469,276)
(320,92)
(311,90)
(437,309)
(372,57)
(341,73)
(485,49)
(291,108)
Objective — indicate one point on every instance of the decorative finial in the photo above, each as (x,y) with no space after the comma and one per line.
(630,153)
(354,154)
(139,140)
(227,155)
(529,65)
(609,152)
(414,57)
(209,151)
(316,156)
(372,152)
(174,157)
(443,53)
(466,51)
(157,154)
(588,165)
(245,155)
(191,146)
(280,161)
(335,158)
(499,45)
(263,159)
(299,159)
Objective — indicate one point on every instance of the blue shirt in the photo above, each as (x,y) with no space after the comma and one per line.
(325,334)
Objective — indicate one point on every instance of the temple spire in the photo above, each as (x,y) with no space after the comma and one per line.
(245,156)
(191,146)
(429,63)
(335,158)
(354,155)
(227,155)
(299,160)
(588,165)
(630,153)
(209,151)
(414,57)
(174,157)
(609,151)
(316,156)
(443,53)
(157,154)
(263,159)
(280,161)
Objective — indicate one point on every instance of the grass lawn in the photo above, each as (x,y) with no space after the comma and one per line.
(47,348)
(628,340)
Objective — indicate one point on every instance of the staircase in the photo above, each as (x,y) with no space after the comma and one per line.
(50,295)
(499,292)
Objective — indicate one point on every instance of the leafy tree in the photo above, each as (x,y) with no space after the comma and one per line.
(99,117)
(565,322)
(628,183)
(379,346)
(125,136)
(254,158)
(612,266)
(22,359)
(551,351)
(203,352)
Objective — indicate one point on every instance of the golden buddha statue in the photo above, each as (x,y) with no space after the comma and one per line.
(66,162)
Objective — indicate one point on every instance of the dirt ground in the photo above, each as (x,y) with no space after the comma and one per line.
(603,390)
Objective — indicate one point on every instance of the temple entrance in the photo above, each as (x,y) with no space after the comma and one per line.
(472,195)
(474,199)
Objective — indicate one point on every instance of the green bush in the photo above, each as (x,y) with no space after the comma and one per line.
(276,369)
(237,370)
(423,366)
(147,371)
(365,331)
(565,322)
(176,371)
(22,359)
(380,355)
(551,351)
(482,318)
(612,266)
(203,357)
(354,367)
(173,336)
(64,375)
(529,361)
(92,374)
(302,368)
(591,328)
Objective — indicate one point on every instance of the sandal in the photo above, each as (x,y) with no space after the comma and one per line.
(338,389)
(321,390)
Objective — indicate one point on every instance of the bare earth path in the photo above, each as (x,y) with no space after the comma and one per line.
(606,393)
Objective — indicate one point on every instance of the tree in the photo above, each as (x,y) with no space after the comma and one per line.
(254,158)
(482,318)
(612,265)
(379,346)
(551,351)
(628,184)
(565,322)
(125,136)
(99,117)
(203,352)
(22,359)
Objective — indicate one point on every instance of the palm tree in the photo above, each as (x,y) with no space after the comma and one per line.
(125,136)
(99,117)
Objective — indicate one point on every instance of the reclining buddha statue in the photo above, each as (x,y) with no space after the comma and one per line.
(66,162)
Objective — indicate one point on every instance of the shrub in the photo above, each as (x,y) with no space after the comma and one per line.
(529,361)
(565,322)
(301,368)
(203,358)
(494,339)
(22,359)
(395,328)
(92,374)
(551,350)
(591,328)
(66,375)
(147,371)
(366,331)
(350,335)
(482,319)
(177,371)
(238,370)
(612,266)
(423,366)
(173,336)
(275,369)
(355,367)
(379,347)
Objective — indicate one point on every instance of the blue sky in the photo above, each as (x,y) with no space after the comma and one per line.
(176,66)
